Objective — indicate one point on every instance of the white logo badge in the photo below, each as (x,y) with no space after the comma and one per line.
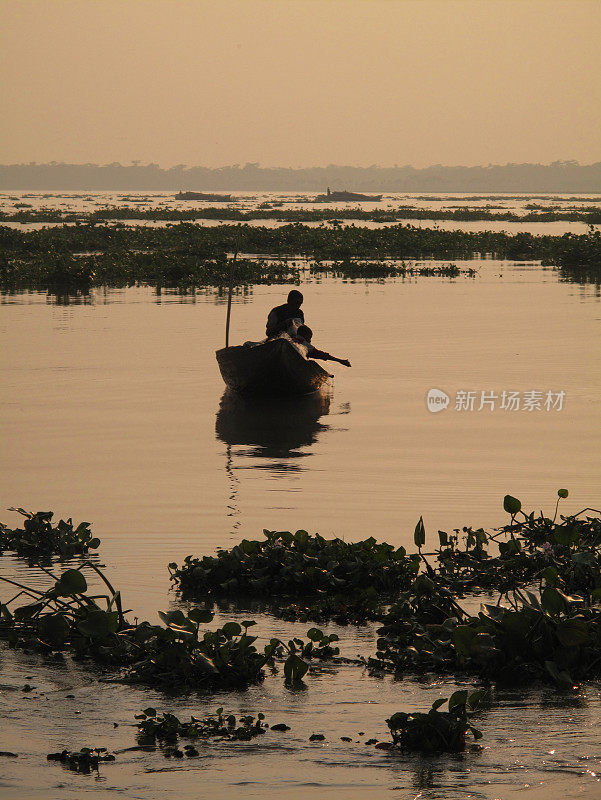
(437,400)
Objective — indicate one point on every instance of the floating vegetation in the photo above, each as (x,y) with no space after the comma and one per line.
(335,573)
(84,760)
(179,657)
(525,636)
(565,552)
(187,255)
(358,608)
(437,731)
(534,213)
(167,729)
(40,539)
(545,625)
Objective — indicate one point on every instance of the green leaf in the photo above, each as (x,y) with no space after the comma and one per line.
(71,582)
(463,636)
(200,615)
(474,698)
(562,493)
(315,634)
(511,505)
(55,627)
(206,662)
(552,600)
(550,575)
(301,537)
(98,623)
(419,535)
(231,629)
(458,698)
(94,543)
(438,703)
(560,677)
(566,534)
(295,669)
(573,632)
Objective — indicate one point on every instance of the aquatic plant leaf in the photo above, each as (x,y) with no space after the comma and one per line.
(474,699)
(419,535)
(563,493)
(458,698)
(71,582)
(55,627)
(561,677)
(573,632)
(566,535)
(550,575)
(200,615)
(231,629)
(98,624)
(511,504)
(553,600)
(295,669)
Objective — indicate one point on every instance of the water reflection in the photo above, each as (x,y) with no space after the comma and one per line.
(271,428)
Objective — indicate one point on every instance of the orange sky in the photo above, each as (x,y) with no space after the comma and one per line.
(300,82)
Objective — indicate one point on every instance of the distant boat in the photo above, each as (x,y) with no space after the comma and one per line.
(335,197)
(272,367)
(210,198)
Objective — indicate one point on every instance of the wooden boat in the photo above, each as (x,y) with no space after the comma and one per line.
(276,366)
(207,198)
(337,197)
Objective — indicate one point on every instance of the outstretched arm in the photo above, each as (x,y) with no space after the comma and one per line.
(327,357)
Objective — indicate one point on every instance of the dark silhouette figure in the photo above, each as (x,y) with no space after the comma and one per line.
(287,317)
(304,334)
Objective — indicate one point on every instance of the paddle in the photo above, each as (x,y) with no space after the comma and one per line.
(231,289)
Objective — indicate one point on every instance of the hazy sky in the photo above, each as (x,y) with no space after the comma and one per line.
(300,82)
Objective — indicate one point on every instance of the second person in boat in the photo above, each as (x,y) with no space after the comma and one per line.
(304,334)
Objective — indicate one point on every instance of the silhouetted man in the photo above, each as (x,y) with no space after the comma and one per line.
(286,318)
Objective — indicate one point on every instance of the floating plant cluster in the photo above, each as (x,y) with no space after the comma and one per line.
(437,731)
(40,539)
(185,255)
(296,565)
(545,625)
(534,213)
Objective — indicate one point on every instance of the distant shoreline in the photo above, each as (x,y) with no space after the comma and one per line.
(564,177)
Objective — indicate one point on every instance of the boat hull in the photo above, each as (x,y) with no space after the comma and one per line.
(274,367)
(345,197)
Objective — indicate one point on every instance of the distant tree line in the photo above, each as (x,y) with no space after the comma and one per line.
(559,176)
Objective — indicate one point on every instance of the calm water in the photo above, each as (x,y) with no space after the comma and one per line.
(113,410)
(246,201)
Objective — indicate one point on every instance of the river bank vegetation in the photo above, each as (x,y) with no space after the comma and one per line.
(540,621)
(188,256)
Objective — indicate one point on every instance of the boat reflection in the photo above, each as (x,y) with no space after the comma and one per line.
(271,428)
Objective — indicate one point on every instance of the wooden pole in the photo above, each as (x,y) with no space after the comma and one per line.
(230,292)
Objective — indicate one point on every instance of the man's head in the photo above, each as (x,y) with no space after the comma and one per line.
(295,298)
(304,332)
